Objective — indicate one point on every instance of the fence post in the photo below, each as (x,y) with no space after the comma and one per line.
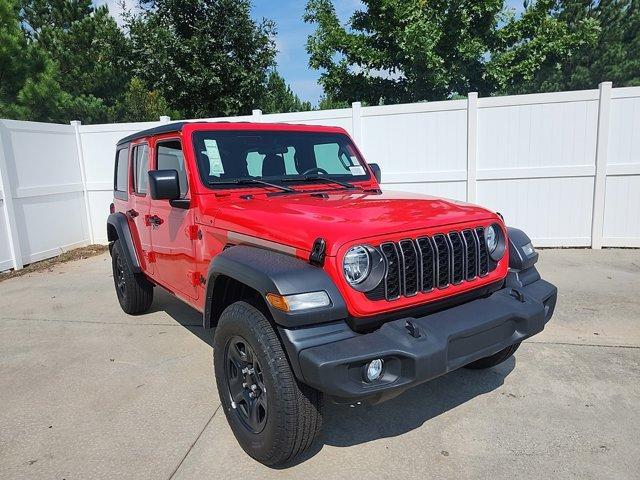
(257,115)
(83,175)
(472,147)
(600,183)
(165,119)
(7,201)
(356,123)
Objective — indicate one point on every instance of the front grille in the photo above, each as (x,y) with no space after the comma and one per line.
(425,263)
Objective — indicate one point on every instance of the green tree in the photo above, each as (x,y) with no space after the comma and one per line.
(402,50)
(612,54)
(207,57)
(328,103)
(29,88)
(139,104)
(530,50)
(13,45)
(280,98)
(89,52)
(411,50)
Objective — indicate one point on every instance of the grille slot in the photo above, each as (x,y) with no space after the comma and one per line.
(425,248)
(471,248)
(443,262)
(410,263)
(483,254)
(392,279)
(458,259)
(425,263)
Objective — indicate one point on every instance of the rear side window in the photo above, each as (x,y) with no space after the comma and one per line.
(140,169)
(170,157)
(121,172)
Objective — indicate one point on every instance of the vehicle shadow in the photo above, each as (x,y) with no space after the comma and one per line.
(348,425)
(182,313)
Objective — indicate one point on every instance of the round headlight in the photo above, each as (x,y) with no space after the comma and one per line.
(491,236)
(356,265)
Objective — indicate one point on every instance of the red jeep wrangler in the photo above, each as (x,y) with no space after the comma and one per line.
(317,282)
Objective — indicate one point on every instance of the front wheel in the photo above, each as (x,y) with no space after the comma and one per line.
(495,359)
(272,415)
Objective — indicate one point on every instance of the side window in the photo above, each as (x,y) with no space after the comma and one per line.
(170,157)
(121,170)
(140,168)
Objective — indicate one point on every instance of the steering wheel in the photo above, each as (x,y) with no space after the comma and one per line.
(315,170)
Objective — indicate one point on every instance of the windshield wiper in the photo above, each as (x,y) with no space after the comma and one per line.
(317,177)
(253,181)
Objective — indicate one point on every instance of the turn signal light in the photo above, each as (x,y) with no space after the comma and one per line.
(278,301)
(299,301)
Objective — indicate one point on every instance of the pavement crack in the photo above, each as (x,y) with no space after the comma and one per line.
(175,470)
(573,344)
(98,322)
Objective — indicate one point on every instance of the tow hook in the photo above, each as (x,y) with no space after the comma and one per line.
(518,295)
(413,329)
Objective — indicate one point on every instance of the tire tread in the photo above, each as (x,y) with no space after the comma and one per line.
(299,405)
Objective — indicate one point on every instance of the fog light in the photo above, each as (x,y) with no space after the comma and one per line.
(374,370)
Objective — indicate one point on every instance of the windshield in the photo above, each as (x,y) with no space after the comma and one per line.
(275,156)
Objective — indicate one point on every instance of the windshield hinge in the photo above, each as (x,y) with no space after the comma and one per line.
(316,257)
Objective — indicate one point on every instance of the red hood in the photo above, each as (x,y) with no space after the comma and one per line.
(297,220)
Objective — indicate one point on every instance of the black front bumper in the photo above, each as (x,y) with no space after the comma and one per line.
(331,357)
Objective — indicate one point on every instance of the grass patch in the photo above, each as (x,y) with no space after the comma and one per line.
(64,257)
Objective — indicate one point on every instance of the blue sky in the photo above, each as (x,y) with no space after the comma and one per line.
(292,37)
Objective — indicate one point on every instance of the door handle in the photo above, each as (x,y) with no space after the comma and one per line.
(132,213)
(153,220)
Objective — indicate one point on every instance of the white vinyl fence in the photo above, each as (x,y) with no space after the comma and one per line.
(565,167)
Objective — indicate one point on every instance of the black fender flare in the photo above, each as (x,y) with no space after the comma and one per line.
(120,224)
(268,271)
(518,259)
(522,270)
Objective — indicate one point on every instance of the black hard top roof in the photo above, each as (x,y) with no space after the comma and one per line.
(165,128)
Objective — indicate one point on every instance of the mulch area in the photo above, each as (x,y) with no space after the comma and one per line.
(71,255)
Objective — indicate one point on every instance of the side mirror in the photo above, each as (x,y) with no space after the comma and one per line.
(164,184)
(375,168)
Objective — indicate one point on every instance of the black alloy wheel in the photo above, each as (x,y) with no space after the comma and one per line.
(120,278)
(245,384)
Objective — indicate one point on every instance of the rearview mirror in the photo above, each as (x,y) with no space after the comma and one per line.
(375,168)
(164,184)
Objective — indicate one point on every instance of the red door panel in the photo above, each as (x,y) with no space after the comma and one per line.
(173,249)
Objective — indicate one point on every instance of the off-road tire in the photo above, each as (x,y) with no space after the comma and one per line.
(134,291)
(293,410)
(495,359)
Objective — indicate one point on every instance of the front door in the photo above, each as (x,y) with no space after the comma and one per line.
(173,249)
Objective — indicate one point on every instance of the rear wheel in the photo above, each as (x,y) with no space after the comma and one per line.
(495,359)
(134,291)
(272,415)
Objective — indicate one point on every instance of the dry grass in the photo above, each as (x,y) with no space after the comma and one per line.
(69,256)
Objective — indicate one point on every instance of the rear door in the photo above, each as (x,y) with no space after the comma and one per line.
(139,201)
(174,250)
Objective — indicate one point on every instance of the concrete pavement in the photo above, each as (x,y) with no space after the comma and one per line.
(89,392)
